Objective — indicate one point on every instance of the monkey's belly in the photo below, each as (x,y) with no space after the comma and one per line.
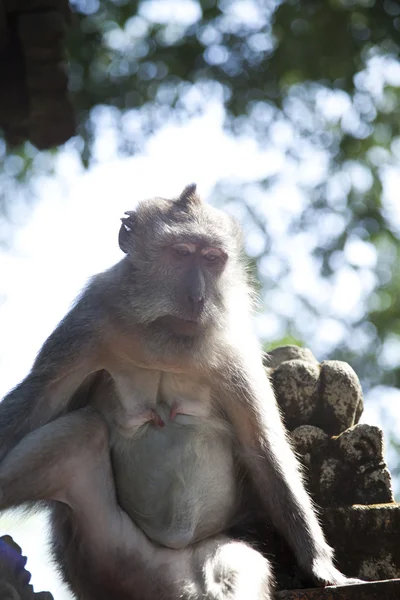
(177,482)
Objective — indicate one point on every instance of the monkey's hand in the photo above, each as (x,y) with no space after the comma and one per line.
(325,573)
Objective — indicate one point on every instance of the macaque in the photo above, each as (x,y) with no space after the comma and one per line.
(141,415)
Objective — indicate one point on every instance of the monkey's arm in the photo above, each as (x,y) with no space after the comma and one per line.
(273,467)
(68,355)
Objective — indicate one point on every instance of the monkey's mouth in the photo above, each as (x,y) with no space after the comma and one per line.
(179,325)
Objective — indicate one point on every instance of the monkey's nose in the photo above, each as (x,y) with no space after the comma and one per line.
(196,303)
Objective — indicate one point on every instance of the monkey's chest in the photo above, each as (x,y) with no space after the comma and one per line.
(157,399)
(172,458)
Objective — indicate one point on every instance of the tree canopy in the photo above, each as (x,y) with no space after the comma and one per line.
(318,83)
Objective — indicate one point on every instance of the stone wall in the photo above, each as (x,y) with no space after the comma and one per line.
(34,101)
(344,466)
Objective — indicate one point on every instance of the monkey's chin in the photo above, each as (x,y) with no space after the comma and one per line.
(178,326)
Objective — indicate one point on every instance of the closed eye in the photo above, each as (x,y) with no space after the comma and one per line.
(213,254)
(183,250)
(211,257)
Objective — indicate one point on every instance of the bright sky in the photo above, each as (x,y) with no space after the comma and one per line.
(71,234)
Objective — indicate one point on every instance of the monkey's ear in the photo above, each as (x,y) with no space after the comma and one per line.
(189,197)
(128,225)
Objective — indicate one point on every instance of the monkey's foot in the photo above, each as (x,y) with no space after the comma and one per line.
(349,581)
(324,574)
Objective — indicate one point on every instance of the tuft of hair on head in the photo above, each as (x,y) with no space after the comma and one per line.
(189,197)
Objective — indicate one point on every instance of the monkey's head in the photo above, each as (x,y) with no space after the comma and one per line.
(185,259)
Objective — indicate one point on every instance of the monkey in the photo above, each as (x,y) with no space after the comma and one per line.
(142,413)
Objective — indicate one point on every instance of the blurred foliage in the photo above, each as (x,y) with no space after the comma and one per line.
(317,82)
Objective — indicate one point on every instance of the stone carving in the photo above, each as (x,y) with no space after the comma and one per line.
(344,467)
(327,395)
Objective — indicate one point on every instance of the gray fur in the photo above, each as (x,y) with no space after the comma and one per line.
(142,410)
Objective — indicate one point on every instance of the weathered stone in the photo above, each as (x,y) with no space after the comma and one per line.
(32,69)
(362,474)
(42,53)
(50,108)
(40,73)
(328,396)
(308,438)
(329,480)
(366,539)
(14,578)
(340,396)
(14,110)
(317,400)
(361,443)
(3,28)
(13,101)
(296,386)
(8,592)
(22,6)
(344,470)
(375,590)
(40,28)
(308,442)
(279,355)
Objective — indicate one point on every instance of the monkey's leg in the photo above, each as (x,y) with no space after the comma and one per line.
(68,460)
(233,570)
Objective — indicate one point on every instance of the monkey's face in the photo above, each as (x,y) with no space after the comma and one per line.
(182,253)
(191,284)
